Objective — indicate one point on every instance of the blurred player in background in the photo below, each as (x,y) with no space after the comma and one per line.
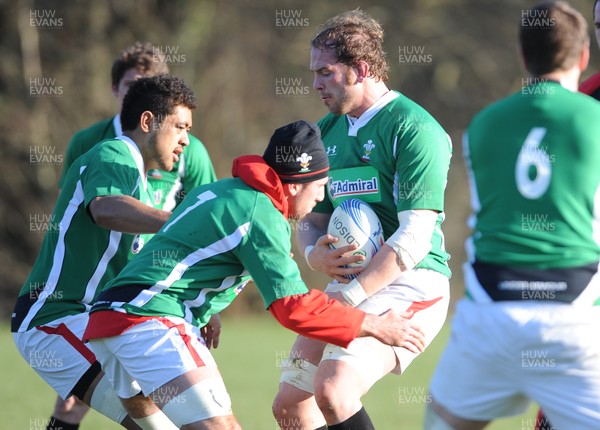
(527,328)
(192,169)
(373,136)
(592,85)
(100,220)
(145,326)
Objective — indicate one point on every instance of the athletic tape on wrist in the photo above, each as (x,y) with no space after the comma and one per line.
(306,252)
(354,293)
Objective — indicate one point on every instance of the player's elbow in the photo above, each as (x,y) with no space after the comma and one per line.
(103,212)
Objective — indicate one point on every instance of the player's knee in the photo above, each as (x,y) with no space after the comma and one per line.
(333,400)
(287,400)
(205,400)
(74,415)
(296,385)
(71,410)
(280,405)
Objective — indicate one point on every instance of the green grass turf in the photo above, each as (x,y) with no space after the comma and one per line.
(251,350)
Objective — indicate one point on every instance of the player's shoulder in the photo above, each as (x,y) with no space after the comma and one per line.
(557,99)
(494,108)
(99,129)
(236,198)
(403,108)
(110,150)
(328,121)
(406,115)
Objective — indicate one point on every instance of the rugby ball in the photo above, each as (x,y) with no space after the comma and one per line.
(354,221)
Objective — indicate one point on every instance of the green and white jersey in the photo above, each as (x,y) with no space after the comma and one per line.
(85,139)
(77,256)
(222,235)
(533,162)
(194,167)
(395,157)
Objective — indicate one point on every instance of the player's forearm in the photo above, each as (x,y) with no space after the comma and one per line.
(383,269)
(127,215)
(315,316)
(401,252)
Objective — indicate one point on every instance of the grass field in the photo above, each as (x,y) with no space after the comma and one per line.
(251,350)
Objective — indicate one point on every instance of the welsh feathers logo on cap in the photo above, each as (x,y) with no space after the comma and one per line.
(288,153)
(304,160)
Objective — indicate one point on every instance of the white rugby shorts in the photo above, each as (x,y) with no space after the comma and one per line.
(502,354)
(150,354)
(427,292)
(56,353)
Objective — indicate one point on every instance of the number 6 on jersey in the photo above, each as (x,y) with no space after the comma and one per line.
(531,155)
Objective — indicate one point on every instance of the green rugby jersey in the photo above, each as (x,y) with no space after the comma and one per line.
(221,235)
(533,161)
(395,157)
(77,256)
(193,168)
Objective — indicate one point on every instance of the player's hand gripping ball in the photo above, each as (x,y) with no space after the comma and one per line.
(355,222)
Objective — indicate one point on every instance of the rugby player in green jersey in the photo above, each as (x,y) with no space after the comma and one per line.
(591,87)
(102,217)
(527,327)
(390,152)
(146,325)
(193,168)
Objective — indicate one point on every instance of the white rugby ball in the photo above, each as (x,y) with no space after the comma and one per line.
(354,221)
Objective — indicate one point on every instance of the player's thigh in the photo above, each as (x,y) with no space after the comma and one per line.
(198,399)
(478,376)
(298,370)
(55,352)
(563,367)
(424,292)
(354,370)
(173,367)
(569,402)
(150,354)
(294,405)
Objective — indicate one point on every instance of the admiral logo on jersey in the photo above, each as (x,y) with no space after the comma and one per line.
(359,182)
(345,188)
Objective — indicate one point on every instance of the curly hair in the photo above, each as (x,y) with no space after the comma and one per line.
(354,36)
(157,94)
(144,57)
